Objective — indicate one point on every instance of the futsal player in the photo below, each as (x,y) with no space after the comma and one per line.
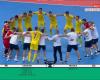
(28,19)
(12,23)
(35,39)
(42,45)
(86,23)
(13,44)
(95,36)
(56,46)
(72,44)
(53,21)
(41,21)
(78,24)
(19,19)
(88,42)
(69,20)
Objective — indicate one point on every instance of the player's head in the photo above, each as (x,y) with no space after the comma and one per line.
(29,29)
(77,17)
(30,12)
(72,30)
(42,30)
(67,12)
(16,17)
(84,20)
(40,9)
(6,23)
(50,12)
(36,28)
(24,14)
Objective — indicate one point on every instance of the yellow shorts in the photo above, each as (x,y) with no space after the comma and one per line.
(33,47)
(53,26)
(41,24)
(78,30)
(68,26)
(20,28)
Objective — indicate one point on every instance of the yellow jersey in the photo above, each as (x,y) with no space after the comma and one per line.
(69,19)
(53,19)
(35,37)
(78,24)
(40,16)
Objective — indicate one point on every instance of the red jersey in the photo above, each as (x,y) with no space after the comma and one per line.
(86,25)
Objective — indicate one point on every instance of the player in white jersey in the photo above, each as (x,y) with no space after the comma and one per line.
(26,45)
(56,46)
(88,41)
(13,45)
(42,45)
(72,44)
(95,36)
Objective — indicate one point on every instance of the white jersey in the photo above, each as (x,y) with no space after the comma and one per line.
(88,35)
(42,40)
(56,39)
(94,33)
(72,38)
(27,39)
(14,39)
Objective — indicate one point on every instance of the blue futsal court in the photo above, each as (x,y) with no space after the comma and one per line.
(10,9)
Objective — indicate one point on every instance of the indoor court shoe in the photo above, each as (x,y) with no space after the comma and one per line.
(79,60)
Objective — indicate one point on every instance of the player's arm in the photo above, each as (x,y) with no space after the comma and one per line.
(18,33)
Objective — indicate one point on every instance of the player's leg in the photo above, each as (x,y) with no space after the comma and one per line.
(17,52)
(60,53)
(24,51)
(35,48)
(65,29)
(75,47)
(55,54)
(69,48)
(44,52)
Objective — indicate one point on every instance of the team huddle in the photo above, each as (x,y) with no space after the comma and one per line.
(35,39)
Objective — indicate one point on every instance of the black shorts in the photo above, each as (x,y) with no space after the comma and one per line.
(43,47)
(94,41)
(88,44)
(70,47)
(14,47)
(26,46)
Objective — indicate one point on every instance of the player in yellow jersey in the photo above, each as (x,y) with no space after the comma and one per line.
(35,39)
(28,20)
(78,24)
(69,23)
(53,21)
(12,23)
(41,21)
(19,19)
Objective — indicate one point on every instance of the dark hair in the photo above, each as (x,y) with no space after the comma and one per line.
(72,30)
(78,16)
(30,11)
(50,12)
(40,8)
(42,30)
(16,16)
(84,20)
(24,13)
(5,21)
(29,29)
(36,28)
(67,12)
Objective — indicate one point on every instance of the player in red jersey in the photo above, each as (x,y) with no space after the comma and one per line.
(86,24)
